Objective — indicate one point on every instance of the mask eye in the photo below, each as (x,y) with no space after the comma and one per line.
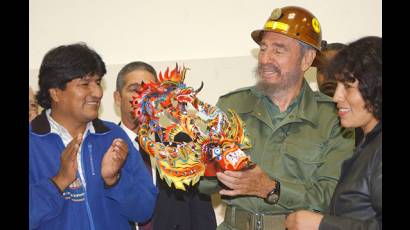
(217,151)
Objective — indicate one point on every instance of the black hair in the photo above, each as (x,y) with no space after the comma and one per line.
(325,60)
(63,64)
(332,46)
(137,65)
(362,60)
(327,87)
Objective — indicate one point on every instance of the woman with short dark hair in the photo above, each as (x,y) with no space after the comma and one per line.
(357,199)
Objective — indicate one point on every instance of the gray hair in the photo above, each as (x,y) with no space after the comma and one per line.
(128,68)
(304,47)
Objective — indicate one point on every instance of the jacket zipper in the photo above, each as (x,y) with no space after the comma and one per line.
(92,227)
(90,150)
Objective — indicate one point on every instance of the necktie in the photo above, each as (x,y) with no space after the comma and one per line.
(145,158)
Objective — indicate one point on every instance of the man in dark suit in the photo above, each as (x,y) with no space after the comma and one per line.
(175,209)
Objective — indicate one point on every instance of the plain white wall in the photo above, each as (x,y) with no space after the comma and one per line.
(160,30)
(210,37)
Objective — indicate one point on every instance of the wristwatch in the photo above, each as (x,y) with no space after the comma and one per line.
(273,196)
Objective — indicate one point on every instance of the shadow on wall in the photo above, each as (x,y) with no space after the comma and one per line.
(107,93)
(255,53)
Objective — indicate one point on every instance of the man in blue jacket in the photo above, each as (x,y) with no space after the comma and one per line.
(83,172)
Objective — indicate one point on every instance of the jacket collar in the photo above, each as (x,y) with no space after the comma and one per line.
(306,110)
(41,126)
(374,133)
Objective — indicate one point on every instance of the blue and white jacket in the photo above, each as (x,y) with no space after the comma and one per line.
(90,207)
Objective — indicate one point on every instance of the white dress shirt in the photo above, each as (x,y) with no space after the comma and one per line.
(133,136)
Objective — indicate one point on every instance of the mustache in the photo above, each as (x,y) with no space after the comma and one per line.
(92,98)
(269,67)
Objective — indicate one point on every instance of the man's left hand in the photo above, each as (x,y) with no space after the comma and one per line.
(254,182)
(113,161)
(303,220)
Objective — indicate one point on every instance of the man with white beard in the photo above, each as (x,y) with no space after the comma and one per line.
(297,142)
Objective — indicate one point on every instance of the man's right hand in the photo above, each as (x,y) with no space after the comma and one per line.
(253,182)
(68,164)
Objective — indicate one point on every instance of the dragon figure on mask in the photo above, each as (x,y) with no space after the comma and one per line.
(167,108)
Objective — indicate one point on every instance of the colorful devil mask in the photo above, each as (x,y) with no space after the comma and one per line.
(168,108)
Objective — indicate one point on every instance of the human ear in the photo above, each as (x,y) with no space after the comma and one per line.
(117,98)
(307,59)
(54,94)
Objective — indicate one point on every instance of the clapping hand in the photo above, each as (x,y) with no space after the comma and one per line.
(68,164)
(113,161)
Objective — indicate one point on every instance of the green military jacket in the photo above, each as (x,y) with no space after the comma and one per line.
(304,152)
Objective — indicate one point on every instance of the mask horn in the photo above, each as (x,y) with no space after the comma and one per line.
(200,88)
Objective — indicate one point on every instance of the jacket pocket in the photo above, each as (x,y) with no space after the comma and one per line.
(301,161)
